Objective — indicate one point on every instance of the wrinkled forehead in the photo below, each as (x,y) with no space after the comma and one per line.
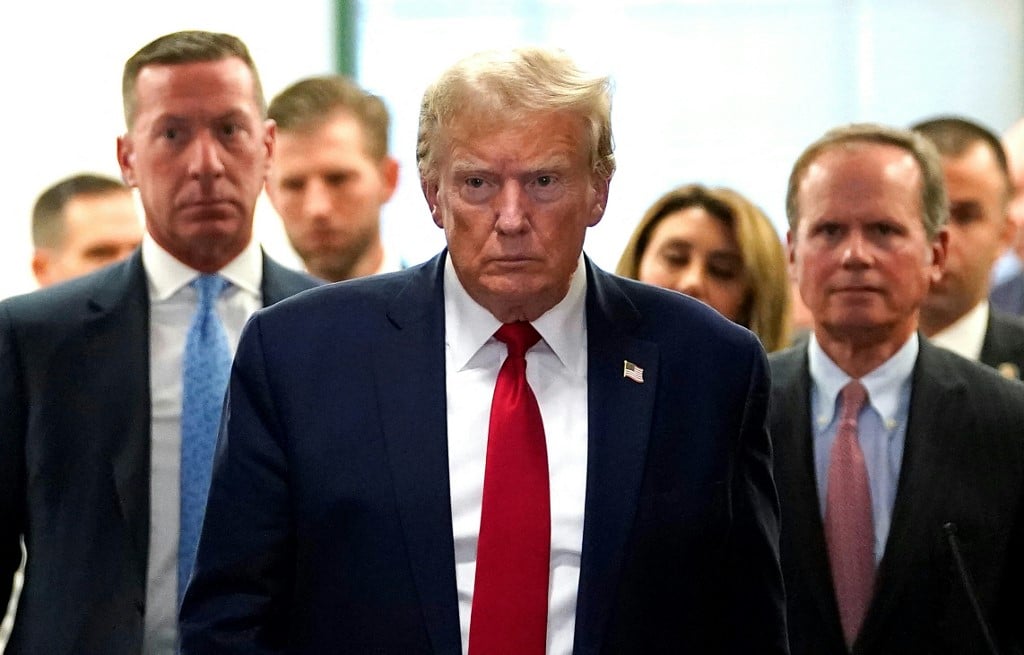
(519,132)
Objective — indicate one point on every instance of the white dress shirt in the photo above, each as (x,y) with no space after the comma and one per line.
(556,369)
(172,302)
(966,335)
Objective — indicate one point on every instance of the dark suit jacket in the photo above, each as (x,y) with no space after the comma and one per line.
(1003,347)
(963,464)
(1008,295)
(329,529)
(75,457)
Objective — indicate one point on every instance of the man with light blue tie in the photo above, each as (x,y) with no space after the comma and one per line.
(111,386)
(899,464)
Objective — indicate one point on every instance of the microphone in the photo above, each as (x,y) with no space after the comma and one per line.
(965,579)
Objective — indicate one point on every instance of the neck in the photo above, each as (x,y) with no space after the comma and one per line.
(858,352)
(933,320)
(370,261)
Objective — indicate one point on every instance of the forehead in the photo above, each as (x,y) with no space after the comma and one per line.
(533,138)
(976,166)
(200,87)
(87,214)
(340,134)
(851,172)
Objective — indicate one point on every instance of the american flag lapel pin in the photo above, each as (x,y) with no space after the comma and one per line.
(632,371)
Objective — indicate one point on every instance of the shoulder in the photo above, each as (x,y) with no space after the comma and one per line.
(349,302)
(1009,294)
(668,317)
(976,380)
(787,363)
(287,277)
(63,302)
(1006,325)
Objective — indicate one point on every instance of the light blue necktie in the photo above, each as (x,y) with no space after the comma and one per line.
(205,370)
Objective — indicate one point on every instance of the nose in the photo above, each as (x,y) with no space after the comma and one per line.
(856,253)
(510,208)
(316,202)
(205,157)
(692,280)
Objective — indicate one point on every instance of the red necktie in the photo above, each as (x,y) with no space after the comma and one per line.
(510,592)
(849,527)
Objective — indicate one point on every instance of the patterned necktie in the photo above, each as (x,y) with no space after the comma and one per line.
(205,369)
(849,527)
(510,591)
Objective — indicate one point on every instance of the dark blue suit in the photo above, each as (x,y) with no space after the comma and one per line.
(328,528)
(75,457)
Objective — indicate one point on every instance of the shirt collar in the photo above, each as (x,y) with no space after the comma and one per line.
(468,326)
(883,384)
(966,335)
(167,274)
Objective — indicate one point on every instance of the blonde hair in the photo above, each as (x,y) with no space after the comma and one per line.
(508,85)
(767,307)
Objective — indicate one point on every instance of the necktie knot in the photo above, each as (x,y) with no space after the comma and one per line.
(209,286)
(854,396)
(519,337)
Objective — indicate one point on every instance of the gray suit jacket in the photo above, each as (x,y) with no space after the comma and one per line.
(75,457)
(1003,348)
(963,465)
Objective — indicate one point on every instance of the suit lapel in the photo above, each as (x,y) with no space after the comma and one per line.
(619,420)
(1003,347)
(117,334)
(936,396)
(804,533)
(279,282)
(409,370)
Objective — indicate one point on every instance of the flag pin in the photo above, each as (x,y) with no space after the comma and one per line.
(632,371)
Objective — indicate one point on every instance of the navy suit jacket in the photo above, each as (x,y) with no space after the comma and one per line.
(963,465)
(329,529)
(75,457)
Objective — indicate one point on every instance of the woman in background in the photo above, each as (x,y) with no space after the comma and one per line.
(717,246)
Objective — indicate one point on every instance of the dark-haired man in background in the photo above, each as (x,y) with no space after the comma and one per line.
(956,313)
(80,224)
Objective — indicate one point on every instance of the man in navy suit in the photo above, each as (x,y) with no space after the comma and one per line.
(899,464)
(91,383)
(351,508)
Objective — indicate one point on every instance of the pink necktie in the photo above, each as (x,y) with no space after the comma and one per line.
(849,527)
(510,592)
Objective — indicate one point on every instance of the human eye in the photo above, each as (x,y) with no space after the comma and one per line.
(886,230)
(476,188)
(336,179)
(676,256)
(546,186)
(827,230)
(964,213)
(293,184)
(725,270)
